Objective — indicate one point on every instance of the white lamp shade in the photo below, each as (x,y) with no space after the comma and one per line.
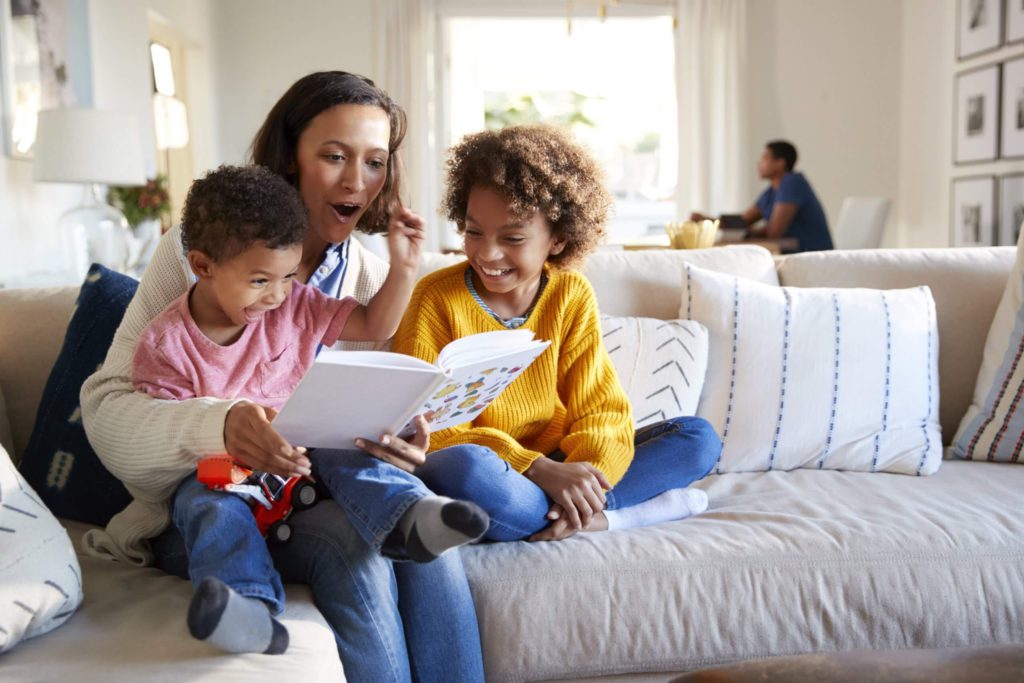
(78,145)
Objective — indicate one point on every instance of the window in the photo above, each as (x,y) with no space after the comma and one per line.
(610,81)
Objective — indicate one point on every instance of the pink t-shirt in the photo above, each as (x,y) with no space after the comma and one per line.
(175,360)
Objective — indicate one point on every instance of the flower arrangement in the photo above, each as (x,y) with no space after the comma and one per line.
(140,203)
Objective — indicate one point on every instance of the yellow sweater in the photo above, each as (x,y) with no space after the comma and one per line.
(569,399)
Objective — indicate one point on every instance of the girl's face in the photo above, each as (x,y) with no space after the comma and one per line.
(507,254)
(341,159)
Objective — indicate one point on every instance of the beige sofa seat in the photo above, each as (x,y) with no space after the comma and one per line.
(782,563)
(131,627)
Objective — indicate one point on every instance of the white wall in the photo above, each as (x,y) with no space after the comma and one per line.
(263,46)
(119,40)
(824,74)
(929,67)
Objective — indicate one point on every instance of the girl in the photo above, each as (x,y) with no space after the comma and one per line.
(557,449)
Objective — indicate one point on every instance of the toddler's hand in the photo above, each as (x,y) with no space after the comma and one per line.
(405,239)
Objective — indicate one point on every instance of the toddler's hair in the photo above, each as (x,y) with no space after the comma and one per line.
(536,168)
(234,207)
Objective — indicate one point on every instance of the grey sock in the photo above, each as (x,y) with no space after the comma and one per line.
(435,524)
(232,622)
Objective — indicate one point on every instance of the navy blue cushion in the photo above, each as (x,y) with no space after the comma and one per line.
(58,462)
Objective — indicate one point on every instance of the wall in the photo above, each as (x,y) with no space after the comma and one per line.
(263,46)
(118,39)
(929,68)
(822,75)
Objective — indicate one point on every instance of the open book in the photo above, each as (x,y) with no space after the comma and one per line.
(363,394)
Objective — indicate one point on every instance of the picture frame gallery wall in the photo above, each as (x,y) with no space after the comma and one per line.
(988,119)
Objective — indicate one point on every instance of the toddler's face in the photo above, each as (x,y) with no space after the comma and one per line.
(506,253)
(253,282)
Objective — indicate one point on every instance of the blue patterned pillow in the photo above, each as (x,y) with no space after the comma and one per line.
(58,462)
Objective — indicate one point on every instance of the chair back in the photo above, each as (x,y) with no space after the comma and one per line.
(861,222)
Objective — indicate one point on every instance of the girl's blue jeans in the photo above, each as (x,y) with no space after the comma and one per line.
(671,454)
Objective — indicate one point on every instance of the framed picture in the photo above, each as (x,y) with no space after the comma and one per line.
(37,41)
(1011,208)
(1011,134)
(977,115)
(973,211)
(979,27)
(1014,21)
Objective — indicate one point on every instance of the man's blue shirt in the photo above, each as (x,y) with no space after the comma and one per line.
(809,225)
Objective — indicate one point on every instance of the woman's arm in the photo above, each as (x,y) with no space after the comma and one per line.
(147,443)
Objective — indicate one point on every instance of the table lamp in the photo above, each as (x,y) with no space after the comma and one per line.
(94,147)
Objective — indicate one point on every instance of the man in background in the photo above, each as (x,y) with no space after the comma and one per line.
(789,206)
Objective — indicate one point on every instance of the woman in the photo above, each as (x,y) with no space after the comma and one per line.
(334,136)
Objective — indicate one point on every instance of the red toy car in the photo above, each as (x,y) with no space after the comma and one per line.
(271,497)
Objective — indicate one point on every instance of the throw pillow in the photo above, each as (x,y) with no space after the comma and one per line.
(660,363)
(40,580)
(993,427)
(840,379)
(58,460)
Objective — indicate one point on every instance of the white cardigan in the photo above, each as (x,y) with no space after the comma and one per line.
(150,444)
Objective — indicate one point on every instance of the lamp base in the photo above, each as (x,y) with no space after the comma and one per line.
(94,232)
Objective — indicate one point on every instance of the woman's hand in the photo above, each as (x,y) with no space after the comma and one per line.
(578,487)
(405,455)
(405,239)
(251,440)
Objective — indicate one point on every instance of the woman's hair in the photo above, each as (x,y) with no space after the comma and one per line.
(536,168)
(234,207)
(277,140)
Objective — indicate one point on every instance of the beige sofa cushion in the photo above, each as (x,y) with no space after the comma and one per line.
(32,326)
(649,283)
(782,563)
(964,313)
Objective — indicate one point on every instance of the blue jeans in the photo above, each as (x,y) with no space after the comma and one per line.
(375,494)
(669,455)
(391,621)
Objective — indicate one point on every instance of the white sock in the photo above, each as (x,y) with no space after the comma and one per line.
(667,507)
(233,622)
(435,524)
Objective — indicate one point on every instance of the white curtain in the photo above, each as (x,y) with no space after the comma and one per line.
(714,163)
(404,65)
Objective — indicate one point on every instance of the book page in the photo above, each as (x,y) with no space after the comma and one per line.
(354,394)
(470,388)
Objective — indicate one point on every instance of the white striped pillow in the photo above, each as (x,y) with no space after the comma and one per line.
(841,379)
(660,363)
(993,427)
(40,581)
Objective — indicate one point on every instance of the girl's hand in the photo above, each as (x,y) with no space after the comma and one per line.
(252,441)
(578,487)
(405,239)
(405,455)
(559,529)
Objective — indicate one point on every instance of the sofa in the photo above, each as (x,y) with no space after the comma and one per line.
(782,563)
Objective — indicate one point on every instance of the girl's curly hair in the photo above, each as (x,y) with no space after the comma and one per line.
(536,168)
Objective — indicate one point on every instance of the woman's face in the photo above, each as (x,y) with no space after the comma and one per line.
(341,159)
